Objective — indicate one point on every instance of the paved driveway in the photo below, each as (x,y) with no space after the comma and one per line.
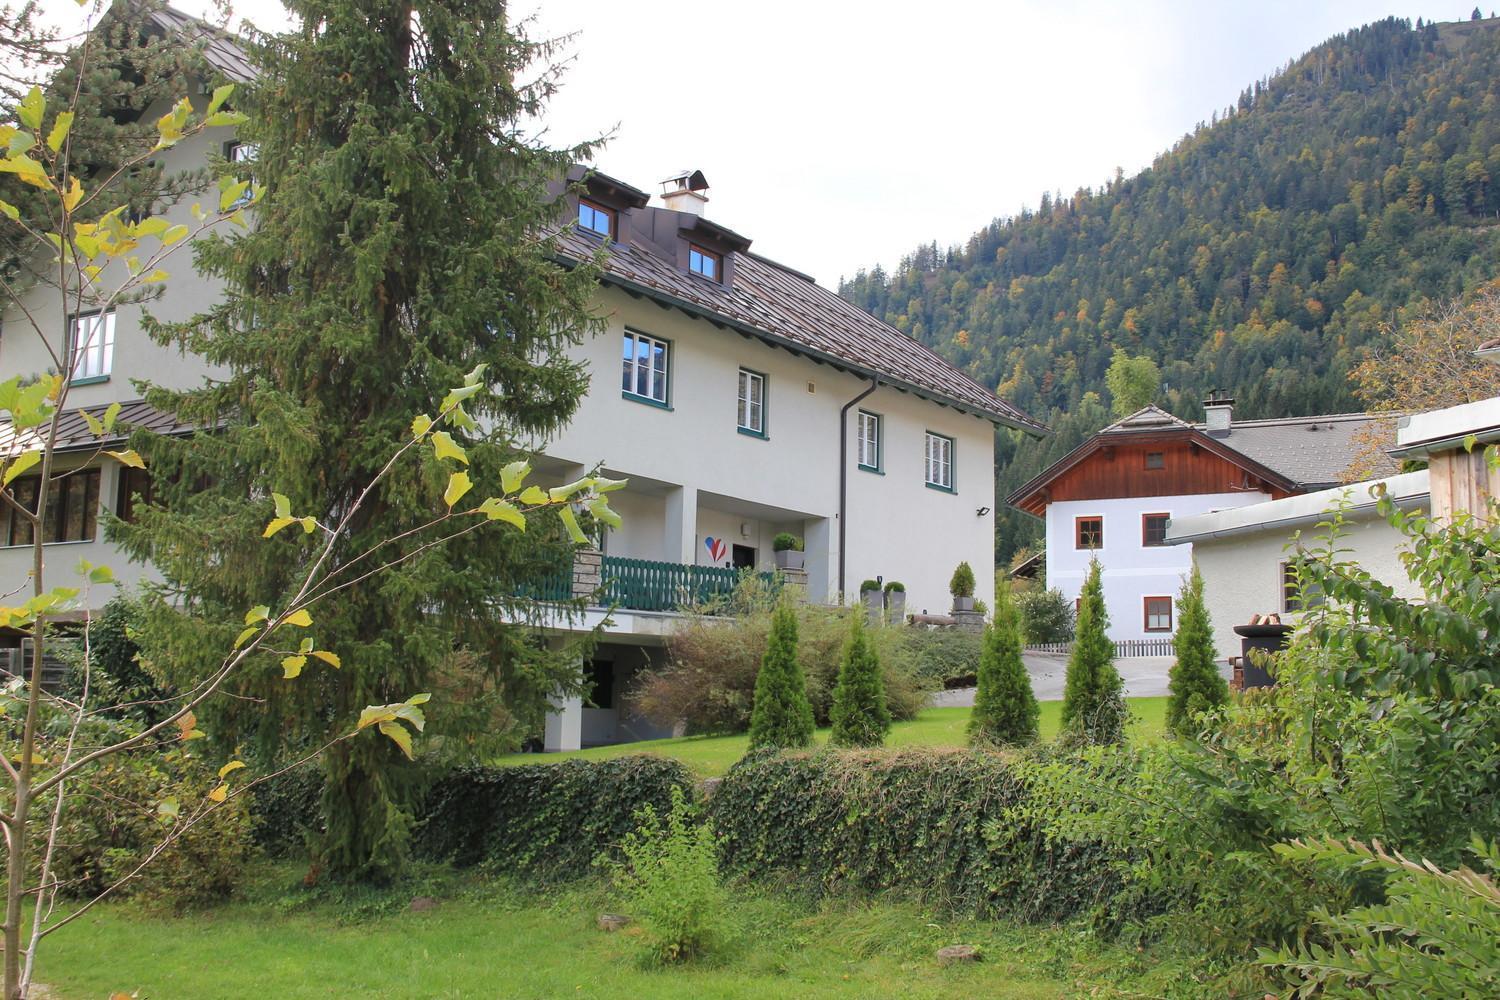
(1144,677)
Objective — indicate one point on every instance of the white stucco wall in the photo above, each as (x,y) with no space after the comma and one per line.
(1131,571)
(745,489)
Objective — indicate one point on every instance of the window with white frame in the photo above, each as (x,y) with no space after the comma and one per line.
(939,461)
(91,339)
(752,402)
(869,440)
(645,371)
(242,152)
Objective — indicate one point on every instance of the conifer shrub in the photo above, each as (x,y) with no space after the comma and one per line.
(782,716)
(962,582)
(1046,616)
(949,828)
(1093,709)
(859,715)
(1195,685)
(1005,709)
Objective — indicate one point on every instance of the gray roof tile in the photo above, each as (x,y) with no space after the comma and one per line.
(1312,452)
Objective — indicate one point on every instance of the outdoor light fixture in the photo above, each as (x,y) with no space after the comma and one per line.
(981,512)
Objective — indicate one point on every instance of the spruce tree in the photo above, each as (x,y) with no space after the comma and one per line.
(782,717)
(1005,709)
(859,714)
(1093,708)
(399,242)
(1195,684)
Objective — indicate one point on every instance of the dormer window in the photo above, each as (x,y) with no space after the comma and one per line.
(705,262)
(595,218)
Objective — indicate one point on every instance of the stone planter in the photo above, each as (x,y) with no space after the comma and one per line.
(895,607)
(963,604)
(874,602)
(790,559)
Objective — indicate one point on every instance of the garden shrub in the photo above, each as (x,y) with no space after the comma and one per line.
(945,827)
(287,812)
(1005,708)
(543,819)
(667,872)
(708,682)
(962,582)
(1093,709)
(859,715)
(1194,683)
(1046,616)
(933,657)
(119,811)
(781,715)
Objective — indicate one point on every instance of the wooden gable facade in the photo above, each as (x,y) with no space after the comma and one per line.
(1174,461)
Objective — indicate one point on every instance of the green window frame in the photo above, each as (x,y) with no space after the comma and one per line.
(750,403)
(938,462)
(646,376)
(91,347)
(869,439)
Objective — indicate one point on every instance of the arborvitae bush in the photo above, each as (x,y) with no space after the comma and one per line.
(962,583)
(860,716)
(1045,615)
(1195,683)
(1005,709)
(782,716)
(1093,697)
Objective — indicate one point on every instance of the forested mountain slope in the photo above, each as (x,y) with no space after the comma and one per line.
(1260,255)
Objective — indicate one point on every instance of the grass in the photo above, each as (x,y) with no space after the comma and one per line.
(711,756)
(496,941)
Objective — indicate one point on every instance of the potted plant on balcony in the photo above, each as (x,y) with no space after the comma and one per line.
(895,602)
(873,600)
(787,548)
(961,586)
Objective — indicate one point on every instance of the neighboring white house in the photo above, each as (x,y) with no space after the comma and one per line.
(1244,552)
(739,397)
(1114,497)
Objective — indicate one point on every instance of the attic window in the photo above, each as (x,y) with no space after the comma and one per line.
(595,218)
(704,262)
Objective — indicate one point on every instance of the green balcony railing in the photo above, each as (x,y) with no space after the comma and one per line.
(647,585)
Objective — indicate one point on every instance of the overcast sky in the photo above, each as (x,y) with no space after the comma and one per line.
(840,135)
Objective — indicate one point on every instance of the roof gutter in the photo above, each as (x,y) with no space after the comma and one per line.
(1408,502)
(844,476)
(1424,449)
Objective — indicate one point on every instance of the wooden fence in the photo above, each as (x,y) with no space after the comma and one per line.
(1123,648)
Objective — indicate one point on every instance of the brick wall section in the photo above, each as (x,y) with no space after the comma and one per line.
(588,572)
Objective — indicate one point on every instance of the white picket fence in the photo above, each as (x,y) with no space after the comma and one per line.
(1123,648)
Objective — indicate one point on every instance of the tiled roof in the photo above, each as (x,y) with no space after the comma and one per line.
(219,48)
(1312,452)
(73,432)
(1149,418)
(786,307)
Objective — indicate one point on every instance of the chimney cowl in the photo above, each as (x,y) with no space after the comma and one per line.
(1220,413)
(685,191)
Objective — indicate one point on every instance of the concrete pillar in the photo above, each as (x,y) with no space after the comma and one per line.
(564,729)
(588,573)
(679,541)
(820,541)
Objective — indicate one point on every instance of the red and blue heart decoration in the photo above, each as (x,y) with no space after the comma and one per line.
(717,549)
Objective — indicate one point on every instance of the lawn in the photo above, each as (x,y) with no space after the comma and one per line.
(490,941)
(710,756)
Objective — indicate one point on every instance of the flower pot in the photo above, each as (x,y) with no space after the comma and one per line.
(963,604)
(895,607)
(874,602)
(789,559)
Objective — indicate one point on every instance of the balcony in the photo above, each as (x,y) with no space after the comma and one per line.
(641,584)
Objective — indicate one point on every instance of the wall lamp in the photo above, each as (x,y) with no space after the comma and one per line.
(981,512)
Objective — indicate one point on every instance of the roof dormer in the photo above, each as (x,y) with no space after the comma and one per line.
(600,204)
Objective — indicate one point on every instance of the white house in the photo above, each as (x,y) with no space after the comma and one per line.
(1114,497)
(1244,552)
(738,396)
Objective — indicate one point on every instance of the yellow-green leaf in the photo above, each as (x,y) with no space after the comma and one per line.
(244,636)
(175,234)
(233,765)
(73,195)
(458,485)
(95,426)
(603,513)
(220,119)
(421,425)
(533,496)
(31,109)
(563,492)
(306,645)
(59,132)
(309,524)
(476,373)
(219,794)
(444,447)
(498,510)
(9,210)
(399,736)
(283,505)
(220,95)
(19,464)
(111,414)
(332,659)
(155,276)
(300,618)
(459,395)
(570,521)
(292,666)
(513,475)
(127,457)
(27,170)
(259,613)
(276,524)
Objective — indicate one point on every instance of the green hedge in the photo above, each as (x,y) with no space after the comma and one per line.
(544,818)
(941,826)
